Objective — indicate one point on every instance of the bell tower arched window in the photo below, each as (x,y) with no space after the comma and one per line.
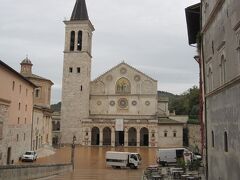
(79,44)
(72,41)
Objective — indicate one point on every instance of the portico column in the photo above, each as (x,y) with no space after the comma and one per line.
(138,137)
(101,137)
(126,137)
(113,137)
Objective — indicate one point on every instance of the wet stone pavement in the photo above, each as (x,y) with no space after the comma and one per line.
(90,163)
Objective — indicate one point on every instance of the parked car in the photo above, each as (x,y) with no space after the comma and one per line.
(29,156)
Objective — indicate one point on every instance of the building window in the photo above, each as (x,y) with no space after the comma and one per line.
(223,70)
(212,47)
(165,133)
(17,137)
(70,69)
(25,120)
(72,41)
(81,88)
(153,135)
(19,106)
(20,88)
(49,94)
(13,85)
(79,45)
(210,80)
(18,120)
(238,47)
(26,107)
(78,70)
(225,142)
(37,92)
(174,133)
(213,143)
(86,133)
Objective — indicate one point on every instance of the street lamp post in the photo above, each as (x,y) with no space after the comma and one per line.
(73,148)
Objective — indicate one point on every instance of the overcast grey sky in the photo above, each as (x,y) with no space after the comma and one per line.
(150,35)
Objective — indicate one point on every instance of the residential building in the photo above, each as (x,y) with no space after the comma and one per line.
(42,114)
(56,128)
(219,57)
(16,107)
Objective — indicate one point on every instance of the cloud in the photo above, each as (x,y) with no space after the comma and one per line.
(149,35)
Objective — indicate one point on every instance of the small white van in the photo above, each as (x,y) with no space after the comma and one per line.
(171,155)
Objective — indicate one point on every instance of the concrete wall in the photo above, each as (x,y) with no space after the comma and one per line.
(4,113)
(23,172)
(224,117)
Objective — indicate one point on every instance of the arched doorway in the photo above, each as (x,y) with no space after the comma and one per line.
(106,136)
(95,136)
(132,137)
(144,137)
(55,141)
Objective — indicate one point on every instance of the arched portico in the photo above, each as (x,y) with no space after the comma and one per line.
(106,136)
(144,137)
(95,136)
(132,137)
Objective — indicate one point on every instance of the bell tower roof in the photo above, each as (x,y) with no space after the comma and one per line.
(79,11)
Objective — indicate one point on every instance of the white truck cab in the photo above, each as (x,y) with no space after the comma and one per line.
(123,159)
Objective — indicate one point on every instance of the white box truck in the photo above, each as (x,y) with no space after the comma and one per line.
(171,155)
(123,159)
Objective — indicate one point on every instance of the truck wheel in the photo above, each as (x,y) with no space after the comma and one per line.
(132,166)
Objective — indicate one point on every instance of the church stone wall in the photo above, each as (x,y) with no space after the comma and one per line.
(140,94)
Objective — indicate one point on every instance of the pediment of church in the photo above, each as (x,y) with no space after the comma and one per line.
(123,79)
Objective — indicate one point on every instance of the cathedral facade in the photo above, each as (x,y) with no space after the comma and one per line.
(120,107)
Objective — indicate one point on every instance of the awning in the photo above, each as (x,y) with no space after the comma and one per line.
(193,22)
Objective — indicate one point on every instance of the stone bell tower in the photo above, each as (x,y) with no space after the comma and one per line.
(76,73)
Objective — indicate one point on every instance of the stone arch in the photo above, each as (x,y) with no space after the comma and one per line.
(123,86)
(147,87)
(95,136)
(132,137)
(144,137)
(106,136)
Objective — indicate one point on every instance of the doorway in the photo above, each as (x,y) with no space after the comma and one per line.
(119,138)
(9,155)
(144,137)
(95,134)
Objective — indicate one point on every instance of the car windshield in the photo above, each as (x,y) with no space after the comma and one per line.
(28,153)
